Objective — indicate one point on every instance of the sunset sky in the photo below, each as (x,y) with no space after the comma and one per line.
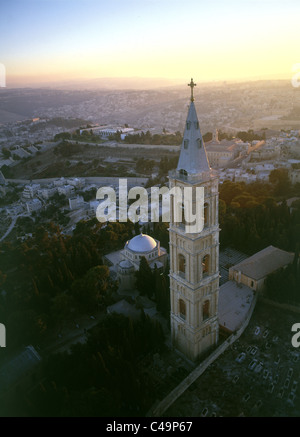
(48,40)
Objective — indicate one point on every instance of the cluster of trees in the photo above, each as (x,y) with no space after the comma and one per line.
(279,178)
(66,149)
(52,277)
(167,163)
(284,285)
(104,377)
(250,135)
(251,218)
(156,139)
(62,136)
(6,153)
(7,171)
(144,166)
(86,135)
(221,136)
(10,197)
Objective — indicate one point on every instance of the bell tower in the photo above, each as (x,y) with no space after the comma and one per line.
(194,257)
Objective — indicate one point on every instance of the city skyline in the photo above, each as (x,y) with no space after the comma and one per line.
(62,40)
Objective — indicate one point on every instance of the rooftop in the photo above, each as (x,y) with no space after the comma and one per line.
(264,262)
(16,368)
(234,303)
(141,243)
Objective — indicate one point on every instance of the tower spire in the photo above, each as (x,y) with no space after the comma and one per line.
(193,158)
(192,84)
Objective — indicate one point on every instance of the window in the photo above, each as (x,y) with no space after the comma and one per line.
(185,144)
(205,214)
(205,265)
(182,214)
(188,125)
(197,124)
(182,309)
(199,143)
(205,310)
(181,265)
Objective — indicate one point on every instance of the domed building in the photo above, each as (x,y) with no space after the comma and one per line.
(139,246)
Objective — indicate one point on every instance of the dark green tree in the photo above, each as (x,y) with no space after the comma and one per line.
(144,278)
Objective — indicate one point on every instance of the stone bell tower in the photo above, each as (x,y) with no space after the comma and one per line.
(194,257)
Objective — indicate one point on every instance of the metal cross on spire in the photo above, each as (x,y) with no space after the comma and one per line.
(192,85)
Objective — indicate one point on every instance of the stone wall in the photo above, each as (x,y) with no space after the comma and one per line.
(159,409)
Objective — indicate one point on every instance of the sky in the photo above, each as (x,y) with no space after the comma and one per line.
(209,40)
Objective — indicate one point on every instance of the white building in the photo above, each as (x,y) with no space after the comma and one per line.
(253,271)
(76,182)
(30,191)
(33,205)
(20,152)
(66,190)
(59,182)
(45,193)
(130,257)
(76,202)
(221,153)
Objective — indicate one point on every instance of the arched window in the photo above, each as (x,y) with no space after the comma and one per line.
(185,144)
(188,125)
(182,309)
(206,217)
(205,310)
(199,143)
(182,214)
(205,265)
(181,265)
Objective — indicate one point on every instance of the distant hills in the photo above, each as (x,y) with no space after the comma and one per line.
(104,83)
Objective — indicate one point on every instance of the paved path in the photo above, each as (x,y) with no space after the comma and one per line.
(72,336)
(13,222)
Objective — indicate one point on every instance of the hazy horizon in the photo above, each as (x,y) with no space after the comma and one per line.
(132,83)
(162,41)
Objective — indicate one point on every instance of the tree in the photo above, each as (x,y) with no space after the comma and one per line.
(207,137)
(62,136)
(61,306)
(91,289)
(144,278)
(280,179)
(6,153)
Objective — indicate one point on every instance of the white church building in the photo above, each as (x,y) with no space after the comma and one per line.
(127,261)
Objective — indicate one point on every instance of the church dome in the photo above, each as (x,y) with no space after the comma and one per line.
(142,243)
